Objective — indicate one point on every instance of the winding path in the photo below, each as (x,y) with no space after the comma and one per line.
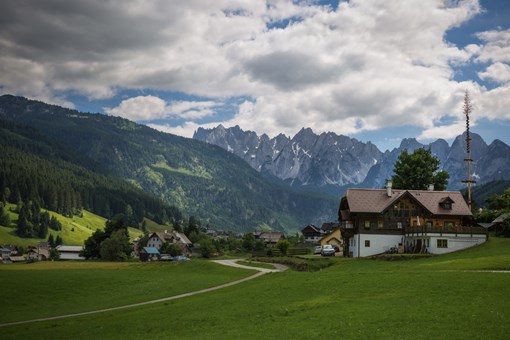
(232,263)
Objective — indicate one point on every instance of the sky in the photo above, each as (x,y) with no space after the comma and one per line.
(374,70)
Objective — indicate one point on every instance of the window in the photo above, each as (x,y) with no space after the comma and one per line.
(367,224)
(448,224)
(367,243)
(429,224)
(442,243)
(380,224)
(399,225)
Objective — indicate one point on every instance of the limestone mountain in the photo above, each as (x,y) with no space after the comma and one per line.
(330,163)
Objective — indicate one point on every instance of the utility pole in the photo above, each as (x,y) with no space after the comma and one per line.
(468,108)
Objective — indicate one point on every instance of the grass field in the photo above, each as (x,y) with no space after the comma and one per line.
(444,297)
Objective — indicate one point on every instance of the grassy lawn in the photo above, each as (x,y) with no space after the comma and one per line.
(42,289)
(440,297)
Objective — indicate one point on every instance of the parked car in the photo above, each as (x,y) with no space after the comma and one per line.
(317,249)
(328,250)
(180,258)
(165,257)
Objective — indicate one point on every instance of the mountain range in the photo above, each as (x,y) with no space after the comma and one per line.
(200,179)
(330,163)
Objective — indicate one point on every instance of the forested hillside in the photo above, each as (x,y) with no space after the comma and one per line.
(200,179)
(35,169)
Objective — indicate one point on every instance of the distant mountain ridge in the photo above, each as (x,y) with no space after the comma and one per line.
(330,163)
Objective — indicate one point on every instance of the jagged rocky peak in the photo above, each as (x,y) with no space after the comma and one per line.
(328,159)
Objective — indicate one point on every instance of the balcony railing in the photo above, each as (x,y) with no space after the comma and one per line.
(442,229)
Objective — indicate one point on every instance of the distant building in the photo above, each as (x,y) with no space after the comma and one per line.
(70,252)
(157,239)
(312,234)
(270,238)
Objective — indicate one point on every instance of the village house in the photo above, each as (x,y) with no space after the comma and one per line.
(157,239)
(270,238)
(375,221)
(38,253)
(334,237)
(312,233)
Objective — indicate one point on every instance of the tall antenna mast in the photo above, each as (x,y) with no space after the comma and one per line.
(468,108)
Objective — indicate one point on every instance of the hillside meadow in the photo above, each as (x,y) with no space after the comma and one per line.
(75,230)
(454,296)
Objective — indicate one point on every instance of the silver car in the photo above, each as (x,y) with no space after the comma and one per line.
(328,250)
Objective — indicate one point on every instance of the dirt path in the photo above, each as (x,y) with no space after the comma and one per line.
(233,263)
(261,271)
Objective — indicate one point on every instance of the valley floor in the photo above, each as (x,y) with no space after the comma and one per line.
(452,296)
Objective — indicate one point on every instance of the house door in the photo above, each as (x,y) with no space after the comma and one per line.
(417,248)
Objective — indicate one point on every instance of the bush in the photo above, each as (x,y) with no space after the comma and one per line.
(298,264)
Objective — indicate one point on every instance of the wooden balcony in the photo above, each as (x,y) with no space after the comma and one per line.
(443,229)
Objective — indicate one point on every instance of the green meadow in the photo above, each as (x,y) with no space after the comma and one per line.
(454,296)
(75,230)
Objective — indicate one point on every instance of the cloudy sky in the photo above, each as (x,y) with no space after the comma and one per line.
(375,70)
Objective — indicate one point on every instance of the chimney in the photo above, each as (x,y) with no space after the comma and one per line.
(389,184)
(431,187)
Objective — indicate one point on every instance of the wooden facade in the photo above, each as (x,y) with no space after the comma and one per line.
(398,216)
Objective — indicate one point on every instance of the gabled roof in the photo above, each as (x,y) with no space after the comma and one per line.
(171,236)
(377,201)
(181,238)
(311,228)
(329,226)
(500,218)
(272,236)
(69,248)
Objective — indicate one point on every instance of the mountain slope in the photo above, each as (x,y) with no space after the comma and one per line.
(202,179)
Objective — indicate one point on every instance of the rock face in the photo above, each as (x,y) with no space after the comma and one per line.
(329,162)
(305,160)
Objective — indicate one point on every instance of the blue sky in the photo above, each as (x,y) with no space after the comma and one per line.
(375,70)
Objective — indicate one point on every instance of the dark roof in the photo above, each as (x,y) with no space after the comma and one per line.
(330,226)
(500,218)
(311,229)
(271,236)
(377,201)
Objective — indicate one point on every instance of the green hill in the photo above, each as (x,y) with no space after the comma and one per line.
(200,179)
(75,229)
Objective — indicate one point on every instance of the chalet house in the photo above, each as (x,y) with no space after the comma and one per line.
(375,221)
(271,238)
(157,239)
(311,233)
(38,253)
